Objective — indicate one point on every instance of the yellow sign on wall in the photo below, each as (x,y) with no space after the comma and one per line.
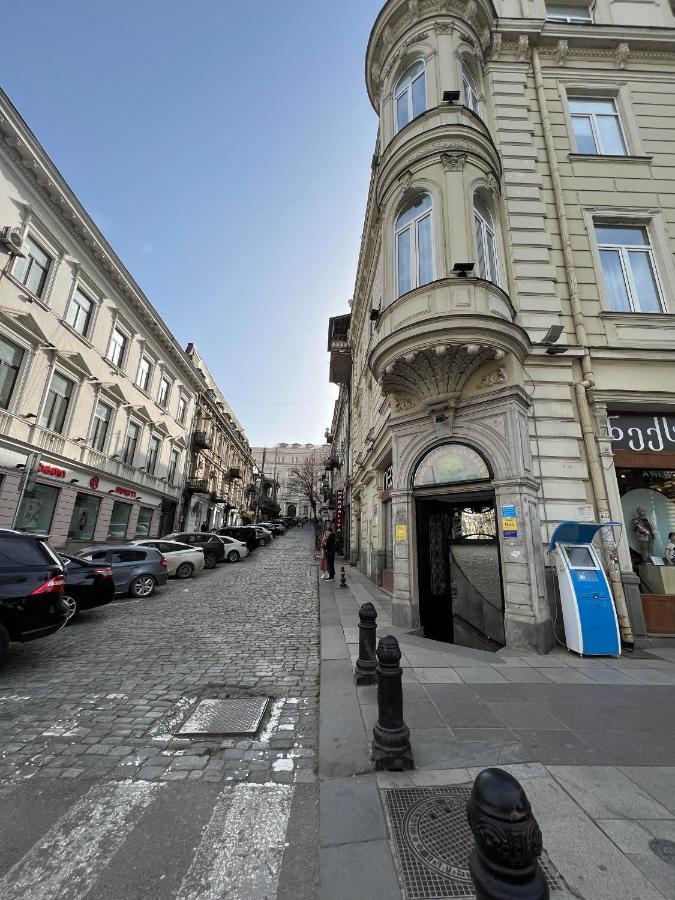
(401,532)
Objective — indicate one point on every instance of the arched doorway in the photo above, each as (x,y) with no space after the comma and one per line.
(292,510)
(459,568)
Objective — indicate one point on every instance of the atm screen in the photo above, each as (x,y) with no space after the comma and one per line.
(580,557)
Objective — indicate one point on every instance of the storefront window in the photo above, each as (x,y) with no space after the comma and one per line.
(144,521)
(37,509)
(388,537)
(119,521)
(648,503)
(85,515)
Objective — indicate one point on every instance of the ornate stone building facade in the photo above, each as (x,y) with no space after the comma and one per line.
(96,396)
(279,463)
(514,290)
(221,462)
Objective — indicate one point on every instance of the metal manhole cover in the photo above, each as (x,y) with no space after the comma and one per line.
(433,842)
(226,717)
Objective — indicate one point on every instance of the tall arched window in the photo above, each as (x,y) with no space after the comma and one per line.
(410,95)
(470,90)
(414,245)
(486,242)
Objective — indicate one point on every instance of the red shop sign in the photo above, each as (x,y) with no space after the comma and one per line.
(54,471)
(125,492)
(94,483)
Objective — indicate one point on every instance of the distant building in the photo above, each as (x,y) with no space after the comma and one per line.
(280,461)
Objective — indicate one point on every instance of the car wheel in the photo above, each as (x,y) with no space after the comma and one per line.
(185,570)
(263,542)
(233,556)
(4,640)
(210,560)
(142,586)
(73,608)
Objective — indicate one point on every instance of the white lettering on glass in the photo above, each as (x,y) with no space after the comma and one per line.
(613,430)
(655,431)
(635,431)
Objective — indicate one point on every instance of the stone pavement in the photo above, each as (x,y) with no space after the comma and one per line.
(591,740)
(89,751)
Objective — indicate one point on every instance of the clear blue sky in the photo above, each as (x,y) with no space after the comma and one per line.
(224,150)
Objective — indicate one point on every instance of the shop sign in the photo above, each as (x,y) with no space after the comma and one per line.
(509,521)
(125,492)
(52,471)
(94,483)
(388,479)
(642,433)
(339,510)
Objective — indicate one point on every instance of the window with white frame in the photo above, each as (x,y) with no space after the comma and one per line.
(470,91)
(572,14)
(410,95)
(100,425)
(182,410)
(486,242)
(79,312)
(144,376)
(10,363)
(32,269)
(163,395)
(173,466)
(628,268)
(117,350)
(597,127)
(56,405)
(130,442)
(414,245)
(153,454)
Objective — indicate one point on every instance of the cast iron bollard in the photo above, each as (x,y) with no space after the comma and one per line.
(391,737)
(366,664)
(503,864)
(343,577)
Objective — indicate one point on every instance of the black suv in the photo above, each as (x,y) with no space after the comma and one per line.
(214,549)
(31,589)
(244,533)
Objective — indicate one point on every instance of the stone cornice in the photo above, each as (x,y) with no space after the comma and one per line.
(21,146)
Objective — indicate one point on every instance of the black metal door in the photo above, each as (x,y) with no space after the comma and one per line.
(461,598)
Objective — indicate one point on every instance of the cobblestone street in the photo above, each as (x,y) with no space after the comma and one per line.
(102,700)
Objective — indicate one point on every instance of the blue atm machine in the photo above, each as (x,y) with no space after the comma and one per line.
(591,625)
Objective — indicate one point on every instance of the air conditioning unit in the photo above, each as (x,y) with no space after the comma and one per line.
(11,240)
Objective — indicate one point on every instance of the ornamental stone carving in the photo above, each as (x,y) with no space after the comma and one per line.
(561,52)
(497,377)
(621,54)
(523,47)
(453,162)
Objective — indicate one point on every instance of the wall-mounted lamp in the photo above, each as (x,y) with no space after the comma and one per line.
(463,269)
(29,416)
(450,96)
(115,456)
(111,491)
(375,315)
(74,480)
(550,341)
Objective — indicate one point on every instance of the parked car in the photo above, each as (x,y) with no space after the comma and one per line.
(182,560)
(276,528)
(31,589)
(88,585)
(234,549)
(213,547)
(264,536)
(244,533)
(136,570)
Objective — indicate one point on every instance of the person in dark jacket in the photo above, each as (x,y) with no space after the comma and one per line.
(204,527)
(329,552)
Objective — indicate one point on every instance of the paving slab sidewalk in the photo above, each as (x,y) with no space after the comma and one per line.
(590,740)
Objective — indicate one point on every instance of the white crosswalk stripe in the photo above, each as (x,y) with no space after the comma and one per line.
(240,853)
(66,861)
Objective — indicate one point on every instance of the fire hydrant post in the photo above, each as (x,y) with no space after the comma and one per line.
(503,864)
(391,737)
(366,664)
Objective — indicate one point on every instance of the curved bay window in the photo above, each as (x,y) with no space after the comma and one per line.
(487,253)
(414,245)
(410,94)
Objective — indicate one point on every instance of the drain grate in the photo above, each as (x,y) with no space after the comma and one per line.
(226,717)
(433,842)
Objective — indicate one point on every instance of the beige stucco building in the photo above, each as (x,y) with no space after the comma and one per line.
(279,463)
(221,462)
(514,292)
(96,396)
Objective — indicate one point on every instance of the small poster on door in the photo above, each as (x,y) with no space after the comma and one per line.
(509,521)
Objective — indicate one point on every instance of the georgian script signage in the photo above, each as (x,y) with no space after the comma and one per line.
(642,433)
(388,479)
(339,510)
(52,471)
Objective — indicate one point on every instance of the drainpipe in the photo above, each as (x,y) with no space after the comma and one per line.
(582,387)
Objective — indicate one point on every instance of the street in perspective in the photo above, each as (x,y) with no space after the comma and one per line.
(337,451)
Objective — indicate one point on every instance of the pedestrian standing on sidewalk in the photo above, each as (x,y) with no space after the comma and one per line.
(329,552)
(323,565)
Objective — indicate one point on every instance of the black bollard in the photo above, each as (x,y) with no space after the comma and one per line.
(391,737)
(503,864)
(366,664)
(343,578)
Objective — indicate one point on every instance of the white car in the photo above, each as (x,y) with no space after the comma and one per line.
(234,550)
(181,559)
